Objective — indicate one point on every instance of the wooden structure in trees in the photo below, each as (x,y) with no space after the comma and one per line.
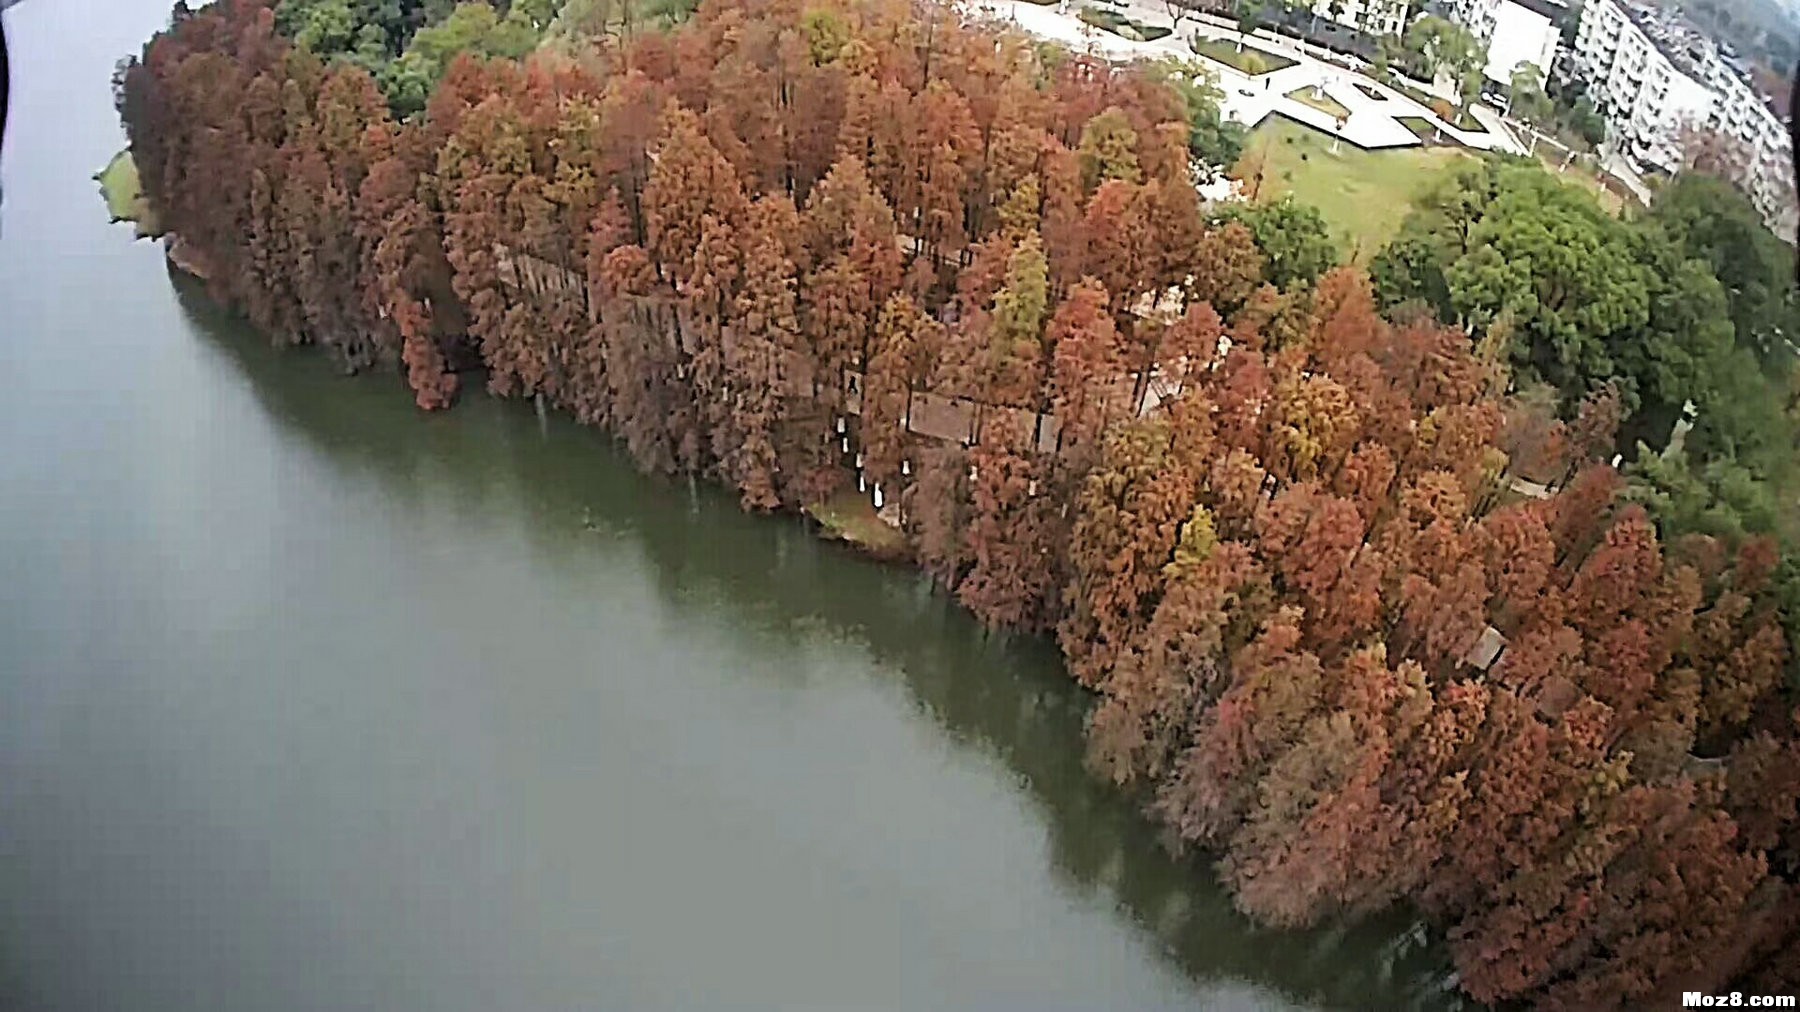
(929,416)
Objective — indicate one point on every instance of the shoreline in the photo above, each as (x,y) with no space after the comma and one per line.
(836,519)
(126,201)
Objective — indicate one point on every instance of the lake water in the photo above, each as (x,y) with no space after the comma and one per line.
(309,701)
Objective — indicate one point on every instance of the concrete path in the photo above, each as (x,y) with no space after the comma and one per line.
(1615,165)
(1373,107)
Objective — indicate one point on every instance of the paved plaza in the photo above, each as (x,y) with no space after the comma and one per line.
(1373,121)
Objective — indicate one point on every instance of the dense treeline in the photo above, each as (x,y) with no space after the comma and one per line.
(1275,530)
(1691,303)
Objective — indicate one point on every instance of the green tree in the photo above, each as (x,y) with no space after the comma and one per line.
(1411,270)
(1249,15)
(1744,421)
(1213,140)
(1720,498)
(826,35)
(1545,256)
(1011,369)
(1445,46)
(540,13)
(405,44)
(407,83)
(1685,341)
(324,26)
(1712,220)
(1529,102)
(476,28)
(1586,121)
(1294,238)
(1388,48)
(1109,149)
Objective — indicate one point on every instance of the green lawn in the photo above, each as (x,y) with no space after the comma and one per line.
(1362,194)
(1122,26)
(1466,122)
(1250,60)
(124,194)
(1421,127)
(1459,115)
(1320,101)
(1584,177)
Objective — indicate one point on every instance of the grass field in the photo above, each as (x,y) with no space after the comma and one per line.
(1250,60)
(1122,26)
(1419,125)
(1320,101)
(1584,177)
(124,194)
(1459,117)
(1362,194)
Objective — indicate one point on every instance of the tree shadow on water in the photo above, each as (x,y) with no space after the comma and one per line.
(1006,696)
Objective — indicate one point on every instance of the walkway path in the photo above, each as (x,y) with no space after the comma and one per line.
(1616,166)
(1373,120)
(1606,163)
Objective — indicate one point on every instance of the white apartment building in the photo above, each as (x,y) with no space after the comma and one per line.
(1371,17)
(1654,78)
(1515,31)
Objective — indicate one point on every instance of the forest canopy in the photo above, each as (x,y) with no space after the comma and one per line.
(1368,611)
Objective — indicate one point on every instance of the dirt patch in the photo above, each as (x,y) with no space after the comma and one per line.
(849,516)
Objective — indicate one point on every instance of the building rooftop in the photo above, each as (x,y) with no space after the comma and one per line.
(1555,10)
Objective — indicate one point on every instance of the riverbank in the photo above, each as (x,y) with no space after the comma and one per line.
(124,194)
(850,518)
(846,517)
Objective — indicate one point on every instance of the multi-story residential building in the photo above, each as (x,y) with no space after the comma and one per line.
(1371,17)
(1515,32)
(1657,82)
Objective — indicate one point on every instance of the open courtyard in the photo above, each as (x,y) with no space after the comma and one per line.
(1363,195)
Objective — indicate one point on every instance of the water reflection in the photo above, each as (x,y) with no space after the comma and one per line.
(577,498)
